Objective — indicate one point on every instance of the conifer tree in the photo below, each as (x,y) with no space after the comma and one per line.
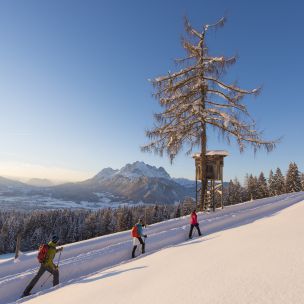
(252,187)
(234,192)
(262,186)
(293,180)
(271,184)
(229,198)
(279,182)
(302,181)
(196,97)
(245,195)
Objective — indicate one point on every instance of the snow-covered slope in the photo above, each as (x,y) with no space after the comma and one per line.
(241,265)
(258,263)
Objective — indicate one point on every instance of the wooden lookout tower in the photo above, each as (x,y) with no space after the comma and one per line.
(214,178)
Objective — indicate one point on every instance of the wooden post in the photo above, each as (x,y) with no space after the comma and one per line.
(213,195)
(18,241)
(196,189)
(222,199)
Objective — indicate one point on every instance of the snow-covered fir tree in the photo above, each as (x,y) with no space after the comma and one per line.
(262,190)
(279,182)
(271,184)
(196,97)
(230,190)
(234,192)
(302,181)
(293,179)
(237,191)
(252,187)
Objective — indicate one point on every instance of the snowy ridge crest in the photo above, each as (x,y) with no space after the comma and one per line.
(139,169)
(133,171)
(106,173)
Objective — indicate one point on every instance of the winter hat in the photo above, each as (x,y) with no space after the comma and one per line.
(55,238)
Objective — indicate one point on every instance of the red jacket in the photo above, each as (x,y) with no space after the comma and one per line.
(193,219)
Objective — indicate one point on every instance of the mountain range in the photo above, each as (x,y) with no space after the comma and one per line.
(136,182)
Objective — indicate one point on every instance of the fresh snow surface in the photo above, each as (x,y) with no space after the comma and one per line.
(250,253)
(213,152)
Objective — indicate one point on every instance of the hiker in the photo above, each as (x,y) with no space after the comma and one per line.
(45,257)
(194,223)
(137,234)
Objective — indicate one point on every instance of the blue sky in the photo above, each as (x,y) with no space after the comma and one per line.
(74,90)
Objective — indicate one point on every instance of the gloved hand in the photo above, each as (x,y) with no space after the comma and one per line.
(145,236)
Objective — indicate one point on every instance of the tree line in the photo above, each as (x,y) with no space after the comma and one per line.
(73,225)
(260,187)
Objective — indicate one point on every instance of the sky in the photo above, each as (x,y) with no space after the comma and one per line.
(75,96)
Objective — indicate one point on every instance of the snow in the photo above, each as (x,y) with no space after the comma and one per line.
(250,253)
(30,202)
(213,152)
(185,182)
(133,171)
(5,257)
(139,169)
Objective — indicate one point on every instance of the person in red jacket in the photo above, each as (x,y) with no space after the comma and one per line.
(137,235)
(194,223)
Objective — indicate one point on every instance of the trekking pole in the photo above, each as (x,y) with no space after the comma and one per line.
(59,258)
(51,273)
(46,280)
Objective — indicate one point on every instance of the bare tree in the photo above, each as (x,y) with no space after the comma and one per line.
(196,97)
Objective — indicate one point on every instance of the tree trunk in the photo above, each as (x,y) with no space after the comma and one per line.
(203,167)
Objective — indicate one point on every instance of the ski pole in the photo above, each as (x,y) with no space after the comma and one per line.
(59,257)
(51,273)
(46,280)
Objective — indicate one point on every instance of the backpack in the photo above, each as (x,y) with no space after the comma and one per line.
(42,252)
(134,231)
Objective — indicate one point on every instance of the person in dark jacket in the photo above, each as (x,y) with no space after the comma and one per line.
(194,223)
(46,265)
(137,234)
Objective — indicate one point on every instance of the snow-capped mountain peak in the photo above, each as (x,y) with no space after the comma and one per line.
(133,171)
(105,173)
(138,169)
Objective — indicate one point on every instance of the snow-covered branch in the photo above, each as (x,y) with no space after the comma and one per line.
(232,88)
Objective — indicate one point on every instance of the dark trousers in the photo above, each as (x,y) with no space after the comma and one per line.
(191,229)
(39,274)
(142,247)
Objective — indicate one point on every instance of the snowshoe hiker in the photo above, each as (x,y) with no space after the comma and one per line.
(194,223)
(46,255)
(137,234)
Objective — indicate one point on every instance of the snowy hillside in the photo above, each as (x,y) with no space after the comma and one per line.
(259,261)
